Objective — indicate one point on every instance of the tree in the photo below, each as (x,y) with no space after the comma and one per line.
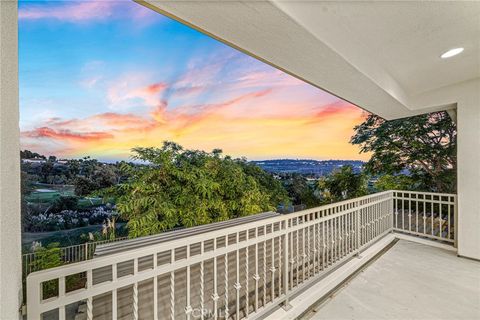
(46,258)
(27,154)
(84,186)
(180,187)
(300,191)
(396,182)
(100,177)
(65,203)
(267,182)
(342,184)
(424,145)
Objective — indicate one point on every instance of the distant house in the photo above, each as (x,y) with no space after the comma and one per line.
(34,160)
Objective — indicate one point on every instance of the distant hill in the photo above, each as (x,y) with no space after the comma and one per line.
(307,166)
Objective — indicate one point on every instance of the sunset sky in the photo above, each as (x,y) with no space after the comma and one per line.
(98,78)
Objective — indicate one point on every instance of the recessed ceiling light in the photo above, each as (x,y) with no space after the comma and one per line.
(451,53)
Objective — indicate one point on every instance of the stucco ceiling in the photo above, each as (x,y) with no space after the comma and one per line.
(381,56)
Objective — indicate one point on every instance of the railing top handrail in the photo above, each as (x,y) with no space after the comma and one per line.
(151,249)
(82,244)
(427,193)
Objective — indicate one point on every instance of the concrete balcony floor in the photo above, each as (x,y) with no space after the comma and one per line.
(409,281)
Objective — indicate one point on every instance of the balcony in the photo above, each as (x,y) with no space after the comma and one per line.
(276,266)
(409,281)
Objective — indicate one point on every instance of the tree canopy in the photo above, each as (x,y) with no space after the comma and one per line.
(300,191)
(178,187)
(425,145)
(342,184)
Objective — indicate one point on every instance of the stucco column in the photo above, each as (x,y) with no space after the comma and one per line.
(10,233)
(468,122)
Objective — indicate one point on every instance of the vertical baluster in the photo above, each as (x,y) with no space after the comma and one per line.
(416,214)
(424,216)
(319,245)
(135,301)
(382,216)
(89,299)
(188,307)
(172,287)
(347,233)
(357,230)
(409,212)
(440,218)
(338,245)
(237,285)
(292,259)
(155,288)
(215,296)
(226,280)
(256,277)
(272,269)
(346,229)
(286,262)
(297,259)
(308,251)
(455,221)
(449,224)
(247,276)
(114,293)
(395,211)
(342,236)
(61,293)
(264,271)
(431,215)
(324,246)
(383,210)
(370,222)
(279,266)
(329,241)
(315,247)
(333,230)
(379,217)
(337,236)
(351,230)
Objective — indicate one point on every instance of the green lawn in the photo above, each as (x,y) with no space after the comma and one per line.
(47,194)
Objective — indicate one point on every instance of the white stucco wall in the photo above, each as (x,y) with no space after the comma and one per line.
(468,121)
(10,234)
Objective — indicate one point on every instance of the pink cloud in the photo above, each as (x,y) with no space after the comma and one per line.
(73,11)
(85,11)
(108,121)
(155,88)
(123,93)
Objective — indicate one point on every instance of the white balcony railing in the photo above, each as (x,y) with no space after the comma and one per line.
(235,272)
(426,214)
(70,254)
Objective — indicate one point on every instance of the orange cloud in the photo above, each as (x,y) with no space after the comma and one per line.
(45,132)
